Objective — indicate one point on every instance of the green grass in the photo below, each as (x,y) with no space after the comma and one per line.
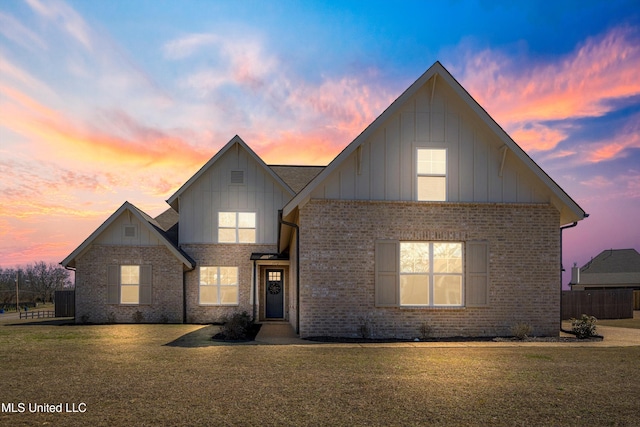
(126,374)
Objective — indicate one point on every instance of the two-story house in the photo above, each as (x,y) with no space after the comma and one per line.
(432,216)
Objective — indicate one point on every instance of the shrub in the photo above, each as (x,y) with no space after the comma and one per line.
(138,317)
(364,330)
(584,327)
(425,331)
(238,326)
(521,330)
(111,317)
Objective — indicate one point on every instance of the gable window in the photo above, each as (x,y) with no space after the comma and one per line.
(129,284)
(431,169)
(431,274)
(236,227)
(218,286)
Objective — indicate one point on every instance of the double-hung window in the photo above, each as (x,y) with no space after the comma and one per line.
(236,227)
(218,286)
(431,274)
(432,174)
(129,284)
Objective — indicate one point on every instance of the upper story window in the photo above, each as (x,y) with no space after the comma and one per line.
(432,174)
(236,227)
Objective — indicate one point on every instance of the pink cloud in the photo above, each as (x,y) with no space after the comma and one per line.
(521,94)
(62,14)
(615,148)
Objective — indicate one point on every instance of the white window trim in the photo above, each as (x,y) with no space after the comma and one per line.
(445,175)
(237,227)
(132,285)
(217,287)
(431,276)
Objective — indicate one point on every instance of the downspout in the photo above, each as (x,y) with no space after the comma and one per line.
(184,297)
(254,292)
(562,269)
(291,224)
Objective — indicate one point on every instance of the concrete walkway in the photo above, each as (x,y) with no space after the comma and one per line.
(280,333)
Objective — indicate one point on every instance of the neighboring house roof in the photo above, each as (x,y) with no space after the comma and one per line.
(152,225)
(612,267)
(570,211)
(297,177)
(173,200)
(614,261)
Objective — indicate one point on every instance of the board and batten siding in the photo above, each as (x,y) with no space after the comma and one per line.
(214,192)
(115,233)
(384,166)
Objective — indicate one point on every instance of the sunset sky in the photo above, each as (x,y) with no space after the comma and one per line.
(107,101)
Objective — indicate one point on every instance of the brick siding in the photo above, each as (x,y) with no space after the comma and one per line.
(337,267)
(91,285)
(231,255)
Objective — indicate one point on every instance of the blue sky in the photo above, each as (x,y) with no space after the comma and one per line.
(106,101)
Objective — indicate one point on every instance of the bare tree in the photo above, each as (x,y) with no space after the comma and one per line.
(7,285)
(44,280)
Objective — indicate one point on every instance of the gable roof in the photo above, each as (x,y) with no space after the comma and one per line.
(613,261)
(173,200)
(574,212)
(296,177)
(151,224)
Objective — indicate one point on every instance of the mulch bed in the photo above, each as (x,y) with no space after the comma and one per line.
(451,339)
(250,335)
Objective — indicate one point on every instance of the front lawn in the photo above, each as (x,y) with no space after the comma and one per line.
(622,323)
(128,375)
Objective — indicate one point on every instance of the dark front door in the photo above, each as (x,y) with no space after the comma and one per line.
(274,308)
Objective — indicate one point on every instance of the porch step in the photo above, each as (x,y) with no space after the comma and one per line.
(278,333)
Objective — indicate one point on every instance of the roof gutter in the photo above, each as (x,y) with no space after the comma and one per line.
(281,221)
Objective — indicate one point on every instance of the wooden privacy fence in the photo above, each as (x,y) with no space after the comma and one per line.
(65,303)
(602,304)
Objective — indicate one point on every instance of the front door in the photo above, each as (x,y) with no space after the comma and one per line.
(274,307)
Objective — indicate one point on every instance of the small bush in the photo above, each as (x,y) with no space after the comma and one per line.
(111,317)
(238,326)
(84,318)
(425,331)
(584,327)
(364,330)
(521,330)
(138,317)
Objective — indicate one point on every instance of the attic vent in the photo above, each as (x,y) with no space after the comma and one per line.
(237,177)
(129,231)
